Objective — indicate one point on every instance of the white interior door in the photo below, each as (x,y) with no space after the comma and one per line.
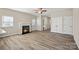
(68,28)
(56,24)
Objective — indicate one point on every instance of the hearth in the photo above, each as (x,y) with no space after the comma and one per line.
(25,29)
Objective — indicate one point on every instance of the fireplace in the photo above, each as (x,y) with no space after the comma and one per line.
(25,29)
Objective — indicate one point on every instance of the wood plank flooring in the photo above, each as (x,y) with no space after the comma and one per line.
(37,40)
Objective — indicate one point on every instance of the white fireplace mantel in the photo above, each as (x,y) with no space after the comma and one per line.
(24,24)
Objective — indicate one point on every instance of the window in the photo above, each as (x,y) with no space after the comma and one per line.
(7,21)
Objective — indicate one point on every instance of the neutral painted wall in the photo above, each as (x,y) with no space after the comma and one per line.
(68,12)
(19,18)
(34,24)
(76,25)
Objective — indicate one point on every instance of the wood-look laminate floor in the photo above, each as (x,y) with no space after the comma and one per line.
(38,41)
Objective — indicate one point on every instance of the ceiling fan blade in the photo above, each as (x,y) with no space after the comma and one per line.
(44,10)
(40,10)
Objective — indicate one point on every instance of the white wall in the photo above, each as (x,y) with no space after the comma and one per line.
(67,12)
(34,24)
(76,25)
(19,17)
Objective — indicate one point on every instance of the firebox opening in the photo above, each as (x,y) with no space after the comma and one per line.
(25,29)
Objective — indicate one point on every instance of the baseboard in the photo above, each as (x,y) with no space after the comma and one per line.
(9,35)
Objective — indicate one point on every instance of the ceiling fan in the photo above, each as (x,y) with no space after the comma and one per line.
(40,10)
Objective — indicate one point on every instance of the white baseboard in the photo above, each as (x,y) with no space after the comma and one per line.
(9,34)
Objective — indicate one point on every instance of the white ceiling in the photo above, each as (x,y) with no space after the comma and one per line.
(31,10)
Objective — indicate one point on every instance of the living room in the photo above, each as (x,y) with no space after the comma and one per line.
(37,29)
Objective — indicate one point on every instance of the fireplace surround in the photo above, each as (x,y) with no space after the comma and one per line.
(25,28)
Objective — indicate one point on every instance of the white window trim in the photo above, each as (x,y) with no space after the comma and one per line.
(3,23)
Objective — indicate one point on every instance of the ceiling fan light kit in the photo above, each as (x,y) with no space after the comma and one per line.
(40,10)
